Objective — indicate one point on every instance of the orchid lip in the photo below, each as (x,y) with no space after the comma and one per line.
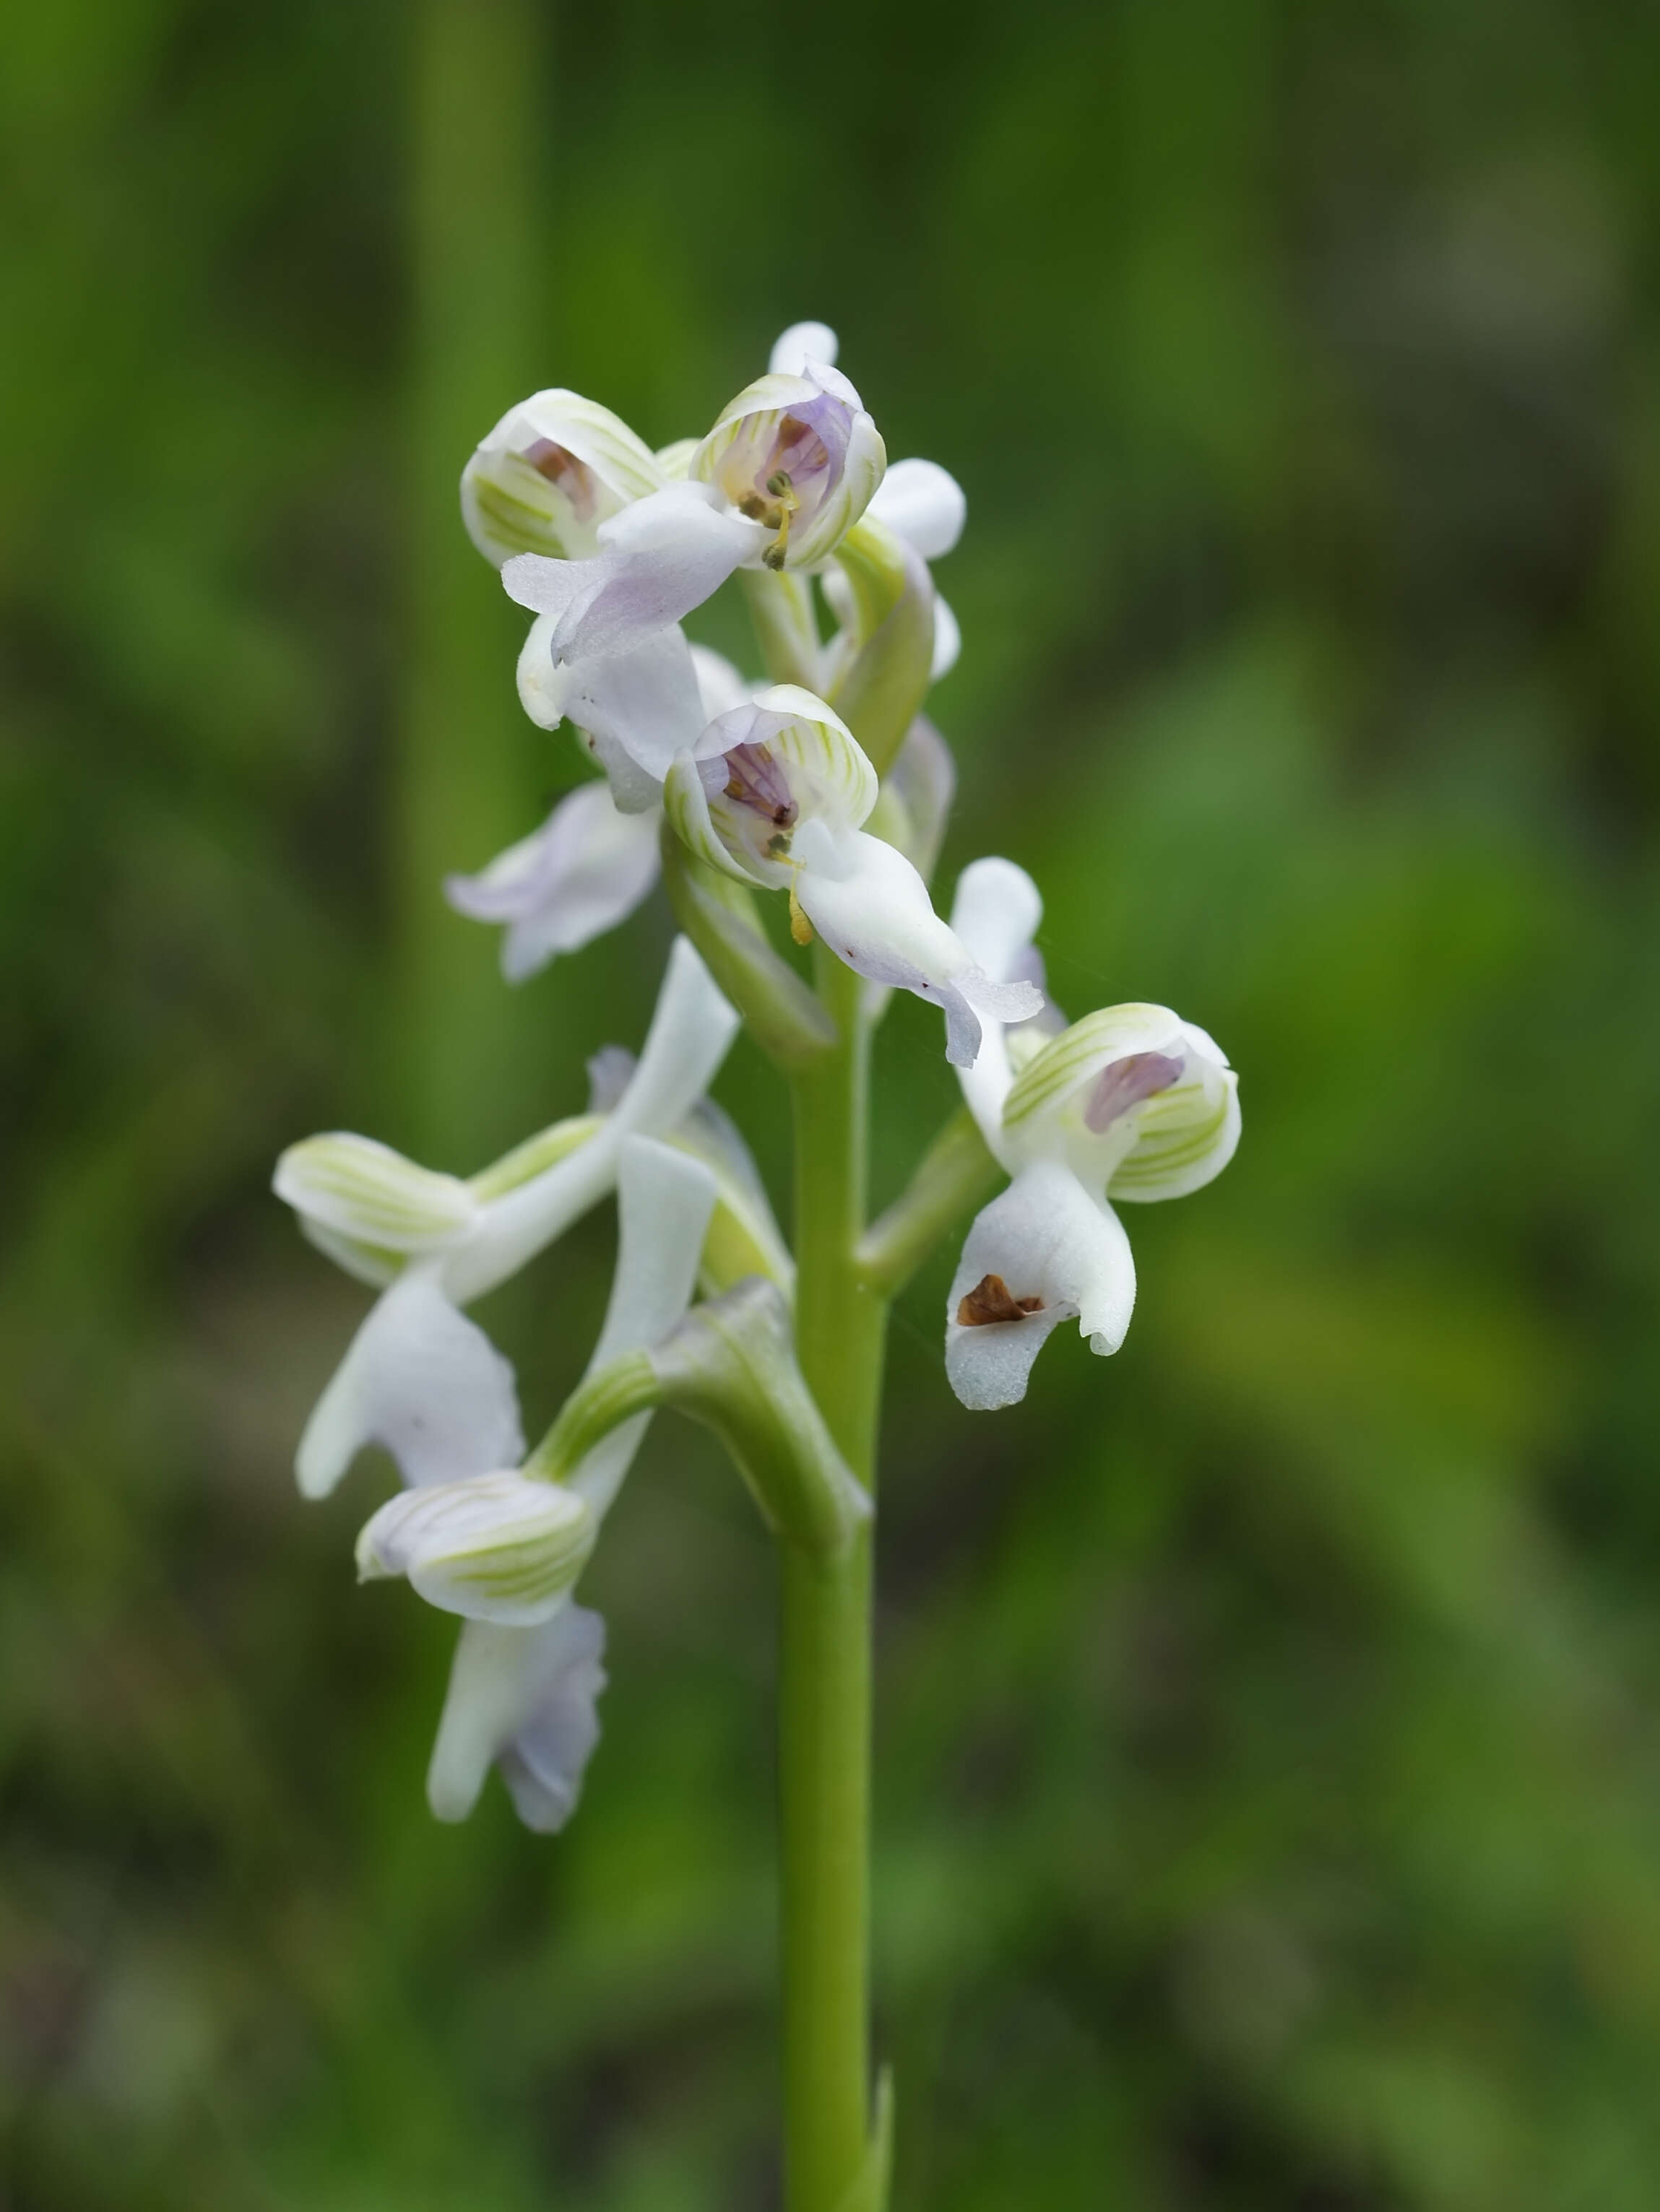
(1128,1083)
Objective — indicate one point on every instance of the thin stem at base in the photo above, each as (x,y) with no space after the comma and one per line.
(824,1690)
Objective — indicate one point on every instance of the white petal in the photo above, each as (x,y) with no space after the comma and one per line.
(423,1382)
(1044,1237)
(745,1238)
(996,914)
(585,869)
(634,708)
(543,685)
(528,1697)
(800,343)
(638,709)
(924,503)
(873,910)
(503,1547)
(665,1200)
(690,1034)
(947,641)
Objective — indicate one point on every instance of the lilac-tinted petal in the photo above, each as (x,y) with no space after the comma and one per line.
(585,869)
(873,910)
(529,1697)
(424,1383)
(543,1763)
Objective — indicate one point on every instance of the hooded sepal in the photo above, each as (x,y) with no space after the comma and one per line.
(362,1191)
(1142,1104)
(552,471)
(797,454)
(503,1547)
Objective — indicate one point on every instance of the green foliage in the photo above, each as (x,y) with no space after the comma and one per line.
(1268,1796)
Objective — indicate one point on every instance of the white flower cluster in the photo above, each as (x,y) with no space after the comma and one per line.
(762,787)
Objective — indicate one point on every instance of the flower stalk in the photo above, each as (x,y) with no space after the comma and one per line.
(825,1682)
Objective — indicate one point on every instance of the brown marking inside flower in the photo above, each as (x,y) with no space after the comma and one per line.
(563,468)
(991,1299)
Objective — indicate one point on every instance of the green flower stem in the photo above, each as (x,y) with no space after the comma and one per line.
(601,1403)
(785,626)
(825,1688)
(956,1172)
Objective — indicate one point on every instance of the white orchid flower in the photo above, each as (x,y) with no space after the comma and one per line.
(1129,1103)
(417,1367)
(790,465)
(552,471)
(593,862)
(525,1696)
(775,795)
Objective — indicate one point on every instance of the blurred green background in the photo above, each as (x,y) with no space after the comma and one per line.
(1269,1798)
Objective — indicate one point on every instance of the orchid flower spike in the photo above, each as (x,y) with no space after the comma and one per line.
(552,471)
(790,465)
(525,1697)
(1129,1103)
(775,795)
(593,861)
(417,1369)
